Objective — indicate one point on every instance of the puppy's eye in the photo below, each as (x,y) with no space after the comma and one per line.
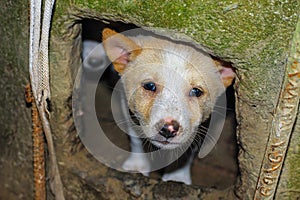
(195,92)
(149,86)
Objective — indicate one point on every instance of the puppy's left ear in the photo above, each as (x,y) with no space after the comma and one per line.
(226,71)
(119,49)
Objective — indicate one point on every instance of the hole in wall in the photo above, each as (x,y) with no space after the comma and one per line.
(218,170)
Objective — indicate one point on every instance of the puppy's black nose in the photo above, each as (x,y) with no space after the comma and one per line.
(169,129)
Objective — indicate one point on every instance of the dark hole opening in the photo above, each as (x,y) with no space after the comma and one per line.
(217,170)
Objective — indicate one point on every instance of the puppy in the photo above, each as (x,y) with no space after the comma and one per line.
(94,57)
(170,87)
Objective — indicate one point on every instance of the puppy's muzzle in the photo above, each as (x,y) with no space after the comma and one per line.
(169,128)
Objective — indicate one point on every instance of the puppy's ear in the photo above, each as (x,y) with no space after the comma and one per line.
(226,71)
(119,49)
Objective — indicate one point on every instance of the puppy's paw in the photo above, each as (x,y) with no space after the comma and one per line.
(137,163)
(180,175)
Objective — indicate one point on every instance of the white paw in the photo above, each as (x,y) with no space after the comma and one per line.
(179,175)
(137,163)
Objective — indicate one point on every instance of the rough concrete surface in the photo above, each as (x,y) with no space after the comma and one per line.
(254,36)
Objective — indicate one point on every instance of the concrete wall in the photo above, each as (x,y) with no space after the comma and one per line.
(255,37)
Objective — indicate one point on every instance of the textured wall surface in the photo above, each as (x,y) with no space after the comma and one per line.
(254,36)
(15,129)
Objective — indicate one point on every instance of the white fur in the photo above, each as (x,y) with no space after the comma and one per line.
(168,104)
(176,69)
(137,161)
(182,174)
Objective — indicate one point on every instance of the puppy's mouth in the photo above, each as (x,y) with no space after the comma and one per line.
(164,142)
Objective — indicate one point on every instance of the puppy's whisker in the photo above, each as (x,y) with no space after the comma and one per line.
(210,139)
(139,132)
(204,128)
(207,136)
(202,134)
(122,122)
(219,113)
(125,121)
(222,107)
(126,124)
(147,146)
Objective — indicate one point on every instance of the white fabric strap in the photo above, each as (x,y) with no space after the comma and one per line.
(39,77)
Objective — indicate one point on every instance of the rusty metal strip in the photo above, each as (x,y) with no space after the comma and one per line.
(38,141)
(39,79)
(282,125)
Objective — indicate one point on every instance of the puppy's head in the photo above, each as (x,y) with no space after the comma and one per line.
(170,87)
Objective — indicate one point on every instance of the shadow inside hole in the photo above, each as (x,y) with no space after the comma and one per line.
(219,169)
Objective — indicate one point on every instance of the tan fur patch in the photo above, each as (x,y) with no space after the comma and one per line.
(175,68)
(119,49)
(227,79)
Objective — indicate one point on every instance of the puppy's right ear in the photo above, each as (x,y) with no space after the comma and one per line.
(119,49)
